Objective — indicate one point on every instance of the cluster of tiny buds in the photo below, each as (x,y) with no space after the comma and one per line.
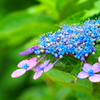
(76,40)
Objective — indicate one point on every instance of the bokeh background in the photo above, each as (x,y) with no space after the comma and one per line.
(21,24)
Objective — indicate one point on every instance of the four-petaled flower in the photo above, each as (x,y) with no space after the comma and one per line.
(29,50)
(90,70)
(44,67)
(25,65)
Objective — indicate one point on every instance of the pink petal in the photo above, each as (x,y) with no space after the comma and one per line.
(32,63)
(22,63)
(32,66)
(95,78)
(87,67)
(82,75)
(99,59)
(48,67)
(37,75)
(46,62)
(34,59)
(18,73)
(96,67)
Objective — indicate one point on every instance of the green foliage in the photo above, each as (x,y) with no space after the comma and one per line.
(93,11)
(66,80)
(94,58)
(20,27)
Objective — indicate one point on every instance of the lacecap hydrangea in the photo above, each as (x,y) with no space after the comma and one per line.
(76,40)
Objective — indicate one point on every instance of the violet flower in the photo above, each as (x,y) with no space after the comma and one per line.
(44,67)
(29,50)
(25,65)
(90,70)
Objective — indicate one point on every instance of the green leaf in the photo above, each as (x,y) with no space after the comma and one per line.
(19,19)
(76,70)
(69,9)
(51,7)
(66,80)
(66,64)
(83,96)
(93,11)
(74,19)
(96,91)
(81,1)
(29,31)
(94,58)
(61,4)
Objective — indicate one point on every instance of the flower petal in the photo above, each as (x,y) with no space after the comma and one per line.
(95,78)
(26,52)
(87,67)
(32,66)
(46,62)
(18,73)
(37,75)
(33,47)
(22,63)
(34,59)
(83,75)
(32,63)
(48,67)
(29,51)
(38,67)
(99,59)
(96,67)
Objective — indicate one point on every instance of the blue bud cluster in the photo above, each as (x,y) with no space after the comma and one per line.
(78,40)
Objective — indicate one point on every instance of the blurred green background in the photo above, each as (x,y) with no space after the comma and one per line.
(21,24)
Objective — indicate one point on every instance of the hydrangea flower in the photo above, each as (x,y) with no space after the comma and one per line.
(44,67)
(29,50)
(25,65)
(90,70)
(77,41)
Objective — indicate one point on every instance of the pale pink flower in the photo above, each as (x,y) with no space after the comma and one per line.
(25,65)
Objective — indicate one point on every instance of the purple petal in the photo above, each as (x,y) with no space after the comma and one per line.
(99,59)
(38,67)
(46,62)
(82,75)
(37,75)
(87,67)
(95,78)
(29,51)
(96,67)
(26,52)
(48,67)
(33,47)
(22,63)
(18,73)
(32,63)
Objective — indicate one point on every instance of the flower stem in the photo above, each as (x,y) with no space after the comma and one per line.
(42,58)
(56,61)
